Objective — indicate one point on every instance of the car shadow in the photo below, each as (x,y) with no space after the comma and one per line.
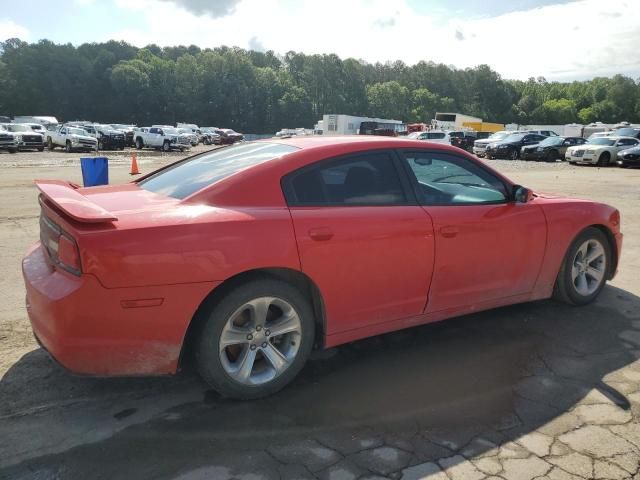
(426,391)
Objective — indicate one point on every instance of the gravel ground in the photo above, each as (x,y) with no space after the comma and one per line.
(540,390)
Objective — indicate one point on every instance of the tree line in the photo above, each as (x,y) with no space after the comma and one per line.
(261,92)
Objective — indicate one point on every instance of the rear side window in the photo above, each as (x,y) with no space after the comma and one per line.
(365,179)
(187,177)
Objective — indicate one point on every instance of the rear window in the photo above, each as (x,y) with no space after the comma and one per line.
(185,178)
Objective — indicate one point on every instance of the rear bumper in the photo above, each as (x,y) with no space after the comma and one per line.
(93,330)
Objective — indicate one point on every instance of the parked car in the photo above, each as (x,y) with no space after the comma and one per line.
(36,127)
(8,140)
(463,139)
(128,133)
(480,145)
(510,146)
(71,138)
(550,149)
(25,137)
(601,135)
(629,157)
(429,232)
(228,136)
(434,136)
(600,150)
(627,132)
(210,137)
(167,139)
(108,138)
(193,137)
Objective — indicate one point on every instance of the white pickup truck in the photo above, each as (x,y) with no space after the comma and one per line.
(71,138)
(165,138)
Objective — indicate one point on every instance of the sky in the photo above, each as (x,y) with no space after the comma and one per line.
(558,39)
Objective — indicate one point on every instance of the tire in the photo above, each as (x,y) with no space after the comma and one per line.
(41,149)
(166,146)
(221,367)
(67,147)
(552,156)
(604,159)
(50,145)
(13,150)
(569,288)
(139,143)
(206,141)
(513,154)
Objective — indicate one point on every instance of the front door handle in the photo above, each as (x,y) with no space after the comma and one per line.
(449,231)
(321,234)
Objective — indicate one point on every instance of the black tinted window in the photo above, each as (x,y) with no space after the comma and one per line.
(366,179)
(184,178)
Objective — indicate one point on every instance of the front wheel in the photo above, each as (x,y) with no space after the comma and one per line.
(50,145)
(139,143)
(552,156)
(166,146)
(67,147)
(604,159)
(256,339)
(513,154)
(585,268)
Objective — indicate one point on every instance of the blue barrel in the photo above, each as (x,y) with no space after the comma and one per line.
(95,171)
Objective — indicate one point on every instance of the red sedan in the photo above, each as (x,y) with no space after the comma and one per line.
(250,256)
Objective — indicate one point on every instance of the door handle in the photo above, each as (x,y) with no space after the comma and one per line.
(449,231)
(321,234)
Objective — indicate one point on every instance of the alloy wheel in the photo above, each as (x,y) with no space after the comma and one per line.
(589,267)
(260,340)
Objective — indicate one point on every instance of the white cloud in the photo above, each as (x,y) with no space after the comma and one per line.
(10,29)
(575,40)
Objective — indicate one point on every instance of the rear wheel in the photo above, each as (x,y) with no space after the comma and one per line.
(256,339)
(604,159)
(585,268)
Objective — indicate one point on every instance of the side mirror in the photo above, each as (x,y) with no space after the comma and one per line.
(522,194)
(161,133)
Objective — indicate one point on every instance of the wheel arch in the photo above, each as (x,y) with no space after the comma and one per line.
(294,277)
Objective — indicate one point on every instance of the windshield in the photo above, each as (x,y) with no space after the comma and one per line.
(170,131)
(601,141)
(19,128)
(498,136)
(513,138)
(76,131)
(185,178)
(547,142)
(183,130)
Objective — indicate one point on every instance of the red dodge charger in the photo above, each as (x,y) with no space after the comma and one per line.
(250,256)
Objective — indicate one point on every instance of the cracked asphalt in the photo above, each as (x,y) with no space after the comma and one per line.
(533,391)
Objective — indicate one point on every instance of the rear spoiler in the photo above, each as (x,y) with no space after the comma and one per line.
(64,195)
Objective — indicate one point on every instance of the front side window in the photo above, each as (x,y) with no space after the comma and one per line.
(442,179)
(364,179)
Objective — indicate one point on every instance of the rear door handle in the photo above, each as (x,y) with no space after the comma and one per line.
(449,231)
(321,234)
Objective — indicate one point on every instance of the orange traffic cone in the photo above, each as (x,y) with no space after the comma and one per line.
(134,165)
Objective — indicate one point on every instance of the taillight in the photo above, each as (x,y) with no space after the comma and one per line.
(68,254)
(61,247)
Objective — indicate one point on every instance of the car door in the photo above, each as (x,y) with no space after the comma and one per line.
(488,247)
(362,239)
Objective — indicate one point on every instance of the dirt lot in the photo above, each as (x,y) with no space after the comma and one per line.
(531,391)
